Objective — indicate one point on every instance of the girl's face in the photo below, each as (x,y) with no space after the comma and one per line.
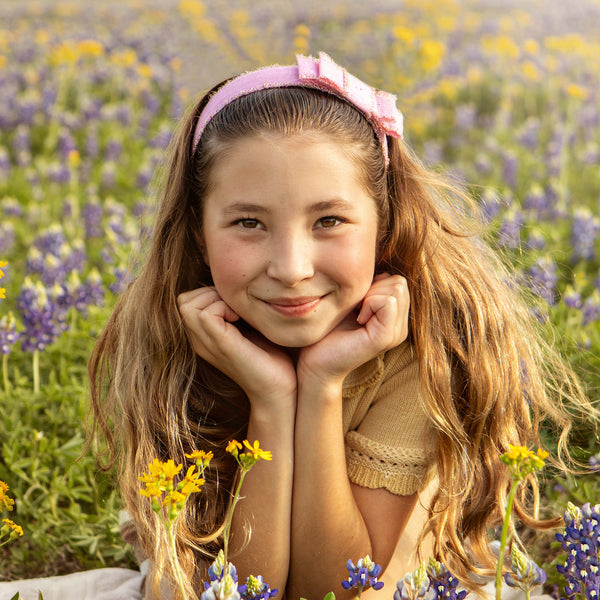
(290,234)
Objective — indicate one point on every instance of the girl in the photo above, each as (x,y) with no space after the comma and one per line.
(312,286)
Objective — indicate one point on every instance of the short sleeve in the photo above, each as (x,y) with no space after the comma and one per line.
(391,446)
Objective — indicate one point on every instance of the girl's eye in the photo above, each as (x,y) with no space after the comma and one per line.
(248,223)
(328,222)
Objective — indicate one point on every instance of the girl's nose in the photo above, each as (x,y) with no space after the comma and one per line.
(290,260)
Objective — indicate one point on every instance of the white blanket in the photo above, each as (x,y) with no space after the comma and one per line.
(99,584)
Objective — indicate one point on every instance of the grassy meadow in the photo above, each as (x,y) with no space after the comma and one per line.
(503,95)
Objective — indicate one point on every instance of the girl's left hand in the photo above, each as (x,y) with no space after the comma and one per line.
(381,324)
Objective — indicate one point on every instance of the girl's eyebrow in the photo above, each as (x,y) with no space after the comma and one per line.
(323,205)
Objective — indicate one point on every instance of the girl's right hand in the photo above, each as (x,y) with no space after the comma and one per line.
(260,368)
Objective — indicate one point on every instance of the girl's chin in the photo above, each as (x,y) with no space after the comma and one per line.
(292,340)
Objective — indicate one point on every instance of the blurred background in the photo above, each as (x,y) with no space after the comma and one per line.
(504,95)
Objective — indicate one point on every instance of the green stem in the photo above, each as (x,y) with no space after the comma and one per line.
(504,537)
(5,373)
(227,529)
(176,564)
(527,593)
(36,371)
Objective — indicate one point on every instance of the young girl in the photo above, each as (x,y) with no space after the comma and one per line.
(312,286)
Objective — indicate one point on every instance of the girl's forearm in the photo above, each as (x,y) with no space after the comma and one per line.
(327,527)
(264,510)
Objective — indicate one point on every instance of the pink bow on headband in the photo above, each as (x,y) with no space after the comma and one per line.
(378,106)
(323,74)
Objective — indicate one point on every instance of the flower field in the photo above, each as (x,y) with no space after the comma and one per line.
(503,94)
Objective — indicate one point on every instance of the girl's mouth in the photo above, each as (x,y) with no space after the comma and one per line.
(294,307)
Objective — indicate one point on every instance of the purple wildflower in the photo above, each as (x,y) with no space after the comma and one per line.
(7,237)
(591,308)
(92,216)
(543,278)
(594,462)
(510,169)
(509,234)
(256,589)
(8,333)
(525,573)
(415,585)
(362,575)
(443,583)
(584,233)
(40,316)
(572,298)
(581,542)
(221,589)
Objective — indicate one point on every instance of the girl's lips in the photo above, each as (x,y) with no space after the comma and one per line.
(293,307)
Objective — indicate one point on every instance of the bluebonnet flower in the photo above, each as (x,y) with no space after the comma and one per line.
(363,574)
(40,316)
(59,173)
(122,280)
(217,570)
(11,207)
(594,462)
(223,581)
(591,308)
(108,174)
(572,298)
(536,240)
(543,279)
(509,234)
(443,583)
(584,233)
(4,163)
(113,150)
(256,589)
(221,589)
(415,585)
(581,542)
(51,240)
(92,216)
(525,573)
(8,333)
(510,168)
(528,135)
(7,237)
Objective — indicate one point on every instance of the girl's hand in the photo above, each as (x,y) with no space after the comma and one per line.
(260,368)
(381,324)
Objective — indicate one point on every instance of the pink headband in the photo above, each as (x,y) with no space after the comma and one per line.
(321,74)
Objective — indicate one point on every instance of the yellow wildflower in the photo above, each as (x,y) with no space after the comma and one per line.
(2,292)
(233,447)
(522,462)
(201,457)
(517,452)
(3,264)
(151,490)
(577,91)
(169,469)
(302,30)
(174,499)
(432,52)
(91,47)
(258,452)
(5,502)
(14,529)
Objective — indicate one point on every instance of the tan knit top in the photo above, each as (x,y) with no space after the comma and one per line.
(389,437)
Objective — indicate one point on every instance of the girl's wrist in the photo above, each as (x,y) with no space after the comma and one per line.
(272,405)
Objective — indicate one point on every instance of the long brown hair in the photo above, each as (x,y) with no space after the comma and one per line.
(487,377)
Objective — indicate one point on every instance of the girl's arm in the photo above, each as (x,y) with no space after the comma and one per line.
(268,377)
(333,520)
